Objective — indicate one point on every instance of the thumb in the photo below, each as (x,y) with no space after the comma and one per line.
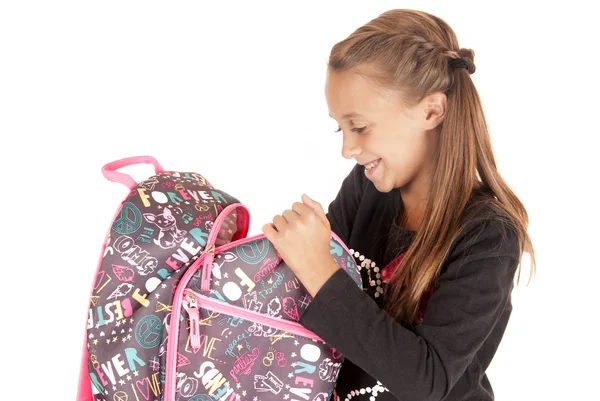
(316,207)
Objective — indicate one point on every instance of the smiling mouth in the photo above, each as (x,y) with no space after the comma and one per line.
(372,165)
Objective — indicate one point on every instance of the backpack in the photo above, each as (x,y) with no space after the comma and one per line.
(185,306)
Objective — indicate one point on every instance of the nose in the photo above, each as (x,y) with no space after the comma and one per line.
(350,148)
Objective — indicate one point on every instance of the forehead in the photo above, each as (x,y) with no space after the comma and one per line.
(350,92)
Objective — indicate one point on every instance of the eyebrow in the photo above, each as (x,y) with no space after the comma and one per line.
(350,115)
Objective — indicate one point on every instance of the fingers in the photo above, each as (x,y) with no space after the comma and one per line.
(291,216)
(317,208)
(270,232)
(279,222)
(301,208)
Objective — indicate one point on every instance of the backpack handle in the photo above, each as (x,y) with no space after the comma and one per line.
(110,173)
(243,224)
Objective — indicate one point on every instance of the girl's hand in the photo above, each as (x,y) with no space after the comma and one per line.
(301,236)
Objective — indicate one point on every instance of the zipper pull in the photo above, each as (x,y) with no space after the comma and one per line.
(194,321)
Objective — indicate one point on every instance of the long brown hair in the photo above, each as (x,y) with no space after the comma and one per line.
(410,51)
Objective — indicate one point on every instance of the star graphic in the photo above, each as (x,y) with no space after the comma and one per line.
(136,373)
(244,393)
(128,377)
(287,396)
(131,320)
(163,285)
(296,342)
(129,336)
(217,282)
(255,399)
(291,375)
(294,365)
(287,386)
(293,354)
(226,275)
(95,341)
(118,323)
(157,295)
(115,339)
(124,321)
(121,382)
(240,347)
(239,385)
(270,281)
(108,341)
(124,339)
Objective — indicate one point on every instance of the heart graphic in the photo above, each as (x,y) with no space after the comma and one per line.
(140,384)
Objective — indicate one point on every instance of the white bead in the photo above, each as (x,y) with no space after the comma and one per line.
(376,269)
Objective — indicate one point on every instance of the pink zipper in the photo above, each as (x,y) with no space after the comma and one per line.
(236,311)
(210,241)
(194,322)
(173,340)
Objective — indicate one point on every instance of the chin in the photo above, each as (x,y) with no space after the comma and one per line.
(383,186)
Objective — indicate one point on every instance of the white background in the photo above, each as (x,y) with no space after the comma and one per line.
(235,92)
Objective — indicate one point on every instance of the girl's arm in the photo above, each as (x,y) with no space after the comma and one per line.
(424,363)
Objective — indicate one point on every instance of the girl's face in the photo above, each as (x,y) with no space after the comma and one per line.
(396,144)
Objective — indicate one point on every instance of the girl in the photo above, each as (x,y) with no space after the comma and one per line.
(437,232)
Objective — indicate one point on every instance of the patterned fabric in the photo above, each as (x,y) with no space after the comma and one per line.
(154,334)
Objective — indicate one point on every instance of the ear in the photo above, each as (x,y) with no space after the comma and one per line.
(150,217)
(434,110)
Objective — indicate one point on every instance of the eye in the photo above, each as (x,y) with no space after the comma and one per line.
(358,130)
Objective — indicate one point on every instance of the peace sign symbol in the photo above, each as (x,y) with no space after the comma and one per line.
(253,252)
(120,396)
(129,220)
(148,331)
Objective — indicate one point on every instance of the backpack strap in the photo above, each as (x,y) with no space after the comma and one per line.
(243,223)
(110,173)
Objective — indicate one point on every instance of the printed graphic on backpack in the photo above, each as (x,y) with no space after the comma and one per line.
(234,330)
(185,307)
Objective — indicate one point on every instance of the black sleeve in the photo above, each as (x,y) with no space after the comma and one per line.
(342,210)
(425,363)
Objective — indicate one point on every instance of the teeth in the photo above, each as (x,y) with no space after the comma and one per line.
(371,165)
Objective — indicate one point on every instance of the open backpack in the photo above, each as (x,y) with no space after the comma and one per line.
(185,306)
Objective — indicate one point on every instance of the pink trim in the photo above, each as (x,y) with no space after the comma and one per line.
(212,236)
(84,388)
(235,311)
(108,170)
(173,340)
